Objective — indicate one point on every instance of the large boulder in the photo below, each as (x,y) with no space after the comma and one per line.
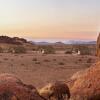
(12,88)
(55,91)
(87,85)
(98,46)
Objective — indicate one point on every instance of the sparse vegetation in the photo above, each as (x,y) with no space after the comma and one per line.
(37,62)
(19,49)
(68,52)
(89,60)
(46,60)
(34,59)
(22,64)
(47,49)
(61,63)
(85,50)
(79,60)
(5,58)
(54,60)
(21,56)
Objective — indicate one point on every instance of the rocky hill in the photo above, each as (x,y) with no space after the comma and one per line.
(7,43)
(14,40)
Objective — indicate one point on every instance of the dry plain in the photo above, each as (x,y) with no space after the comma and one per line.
(40,69)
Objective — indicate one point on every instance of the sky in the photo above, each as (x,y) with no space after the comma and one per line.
(50,19)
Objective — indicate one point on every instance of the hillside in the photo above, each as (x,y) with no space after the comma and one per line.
(14,40)
(11,42)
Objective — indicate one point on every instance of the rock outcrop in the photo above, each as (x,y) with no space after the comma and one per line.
(87,85)
(15,40)
(12,88)
(98,46)
(55,91)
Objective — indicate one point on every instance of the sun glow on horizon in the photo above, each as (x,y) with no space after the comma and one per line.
(50,18)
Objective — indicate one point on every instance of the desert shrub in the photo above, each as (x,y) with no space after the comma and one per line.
(22,64)
(15,55)
(68,52)
(61,63)
(79,59)
(54,59)
(34,59)
(21,56)
(1,50)
(89,60)
(33,49)
(37,62)
(46,60)
(19,49)
(85,50)
(5,58)
(47,49)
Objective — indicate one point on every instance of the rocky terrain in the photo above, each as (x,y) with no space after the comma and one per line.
(33,75)
(86,85)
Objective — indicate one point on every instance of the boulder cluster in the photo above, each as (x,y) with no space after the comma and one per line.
(12,88)
(86,84)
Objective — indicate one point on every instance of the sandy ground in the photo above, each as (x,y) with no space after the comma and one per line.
(38,69)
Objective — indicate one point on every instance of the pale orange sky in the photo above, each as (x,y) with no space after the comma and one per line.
(68,19)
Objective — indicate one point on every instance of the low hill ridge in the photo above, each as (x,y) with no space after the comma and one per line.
(13,40)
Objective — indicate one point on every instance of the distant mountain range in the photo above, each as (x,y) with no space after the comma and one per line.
(80,42)
(65,42)
(21,41)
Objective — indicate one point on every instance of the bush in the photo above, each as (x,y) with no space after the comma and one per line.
(37,62)
(79,59)
(68,52)
(54,60)
(5,58)
(61,63)
(46,60)
(89,60)
(47,49)
(19,49)
(34,59)
(83,49)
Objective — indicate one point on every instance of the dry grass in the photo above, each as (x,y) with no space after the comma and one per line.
(61,63)
(39,70)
